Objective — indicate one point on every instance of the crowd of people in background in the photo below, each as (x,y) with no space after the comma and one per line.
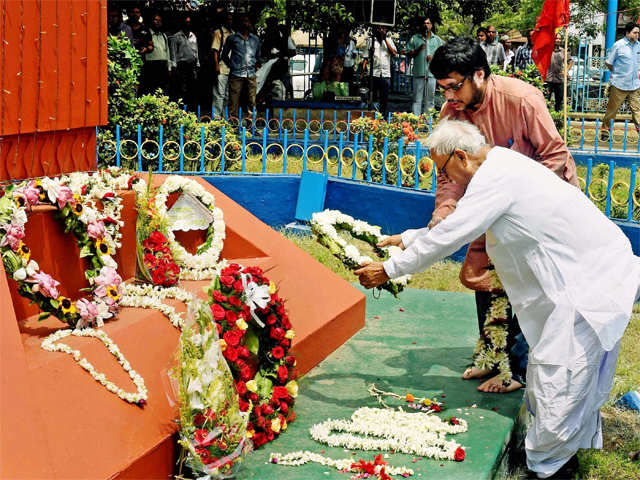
(213,60)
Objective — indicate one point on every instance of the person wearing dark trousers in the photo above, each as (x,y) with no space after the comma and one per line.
(183,46)
(382,49)
(241,52)
(555,74)
(155,71)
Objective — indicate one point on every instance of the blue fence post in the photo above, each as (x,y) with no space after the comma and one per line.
(385,152)
(253,123)
(398,171)
(118,145)
(582,135)
(325,156)
(139,148)
(340,147)
(265,132)
(588,179)
(213,112)
(369,159)
(266,119)
(226,113)
(348,125)
(597,134)
(280,128)
(239,120)
(335,122)
(632,187)
(198,112)
(304,154)
(202,149)
(284,152)
(244,148)
(160,148)
(308,117)
(607,208)
(355,151)
(294,122)
(610,134)
(430,124)
(416,185)
(222,142)
(181,148)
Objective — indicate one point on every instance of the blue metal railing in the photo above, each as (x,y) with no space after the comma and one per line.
(338,148)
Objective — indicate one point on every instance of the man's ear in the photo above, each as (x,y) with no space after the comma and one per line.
(462,156)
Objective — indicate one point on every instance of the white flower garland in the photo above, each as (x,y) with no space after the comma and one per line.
(150,296)
(295,459)
(192,266)
(325,223)
(411,433)
(52,344)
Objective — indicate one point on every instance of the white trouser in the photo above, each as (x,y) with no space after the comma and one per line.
(220,95)
(565,402)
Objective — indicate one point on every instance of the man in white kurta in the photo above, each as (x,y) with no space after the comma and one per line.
(569,272)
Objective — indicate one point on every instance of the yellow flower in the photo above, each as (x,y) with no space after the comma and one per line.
(284,425)
(290,334)
(77,209)
(275,425)
(272,288)
(20,200)
(102,247)
(66,305)
(250,433)
(112,292)
(41,195)
(292,388)
(241,324)
(24,251)
(252,385)
(223,344)
(427,402)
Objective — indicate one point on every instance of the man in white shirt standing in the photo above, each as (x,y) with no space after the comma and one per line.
(569,272)
(383,50)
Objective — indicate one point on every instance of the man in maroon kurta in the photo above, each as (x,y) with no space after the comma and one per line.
(509,113)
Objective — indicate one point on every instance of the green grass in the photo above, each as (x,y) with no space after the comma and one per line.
(621,429)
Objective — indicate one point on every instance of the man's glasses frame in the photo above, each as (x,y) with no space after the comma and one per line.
(454,87)
(443,170)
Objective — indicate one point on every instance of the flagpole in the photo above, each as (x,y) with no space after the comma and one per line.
(564,83)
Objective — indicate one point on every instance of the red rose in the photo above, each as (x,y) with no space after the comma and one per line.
(204,454)
(271,435)
(271,319)
(200,437)
(231,317)
(210,415)
(259,439)
(227,280)
(454,421)
(459,454)
(436,408)
(243,352)
(237,286)
(253,396)
(219,297)
(286,324)
(108,195)
(277,333)
(284,408)
(157,238)
(230,354)
(260,422)
(291,360)
(244,406)
(109,220)
(283,373)
(280,393)
(218,312)
(291,417)
(132,180)
(277,352)
(285,343)
(241,387)
(267,409)
(219,327)
(232,338)
(245,373)
(235,302)
(199,419)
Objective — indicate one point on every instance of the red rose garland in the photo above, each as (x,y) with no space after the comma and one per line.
(258,356)
(158,260)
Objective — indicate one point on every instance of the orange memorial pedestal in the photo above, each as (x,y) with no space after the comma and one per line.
(58,422)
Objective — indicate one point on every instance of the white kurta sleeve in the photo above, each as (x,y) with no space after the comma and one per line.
(409,236)
(483,203)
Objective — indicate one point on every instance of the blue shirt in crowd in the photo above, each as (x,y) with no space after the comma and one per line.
(625,58)
(241,54)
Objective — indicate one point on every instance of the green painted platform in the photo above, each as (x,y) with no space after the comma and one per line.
(423,349)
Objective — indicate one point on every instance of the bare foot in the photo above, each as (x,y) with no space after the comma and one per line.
(495,385)
(474,372)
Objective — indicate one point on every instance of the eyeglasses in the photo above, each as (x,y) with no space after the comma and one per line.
(492,31)
(444,165)
(455,87)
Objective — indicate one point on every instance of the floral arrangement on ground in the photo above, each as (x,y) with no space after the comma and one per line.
(256,336)
(213,429)
(325,226)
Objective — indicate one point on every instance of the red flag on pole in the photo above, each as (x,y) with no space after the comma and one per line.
(554,15)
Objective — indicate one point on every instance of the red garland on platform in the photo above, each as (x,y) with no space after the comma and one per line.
(158,260)
(554,15)
(256,350)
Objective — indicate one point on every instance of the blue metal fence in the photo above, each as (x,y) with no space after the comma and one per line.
(289,145)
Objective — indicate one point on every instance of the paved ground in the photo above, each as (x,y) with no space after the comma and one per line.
(419,344)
